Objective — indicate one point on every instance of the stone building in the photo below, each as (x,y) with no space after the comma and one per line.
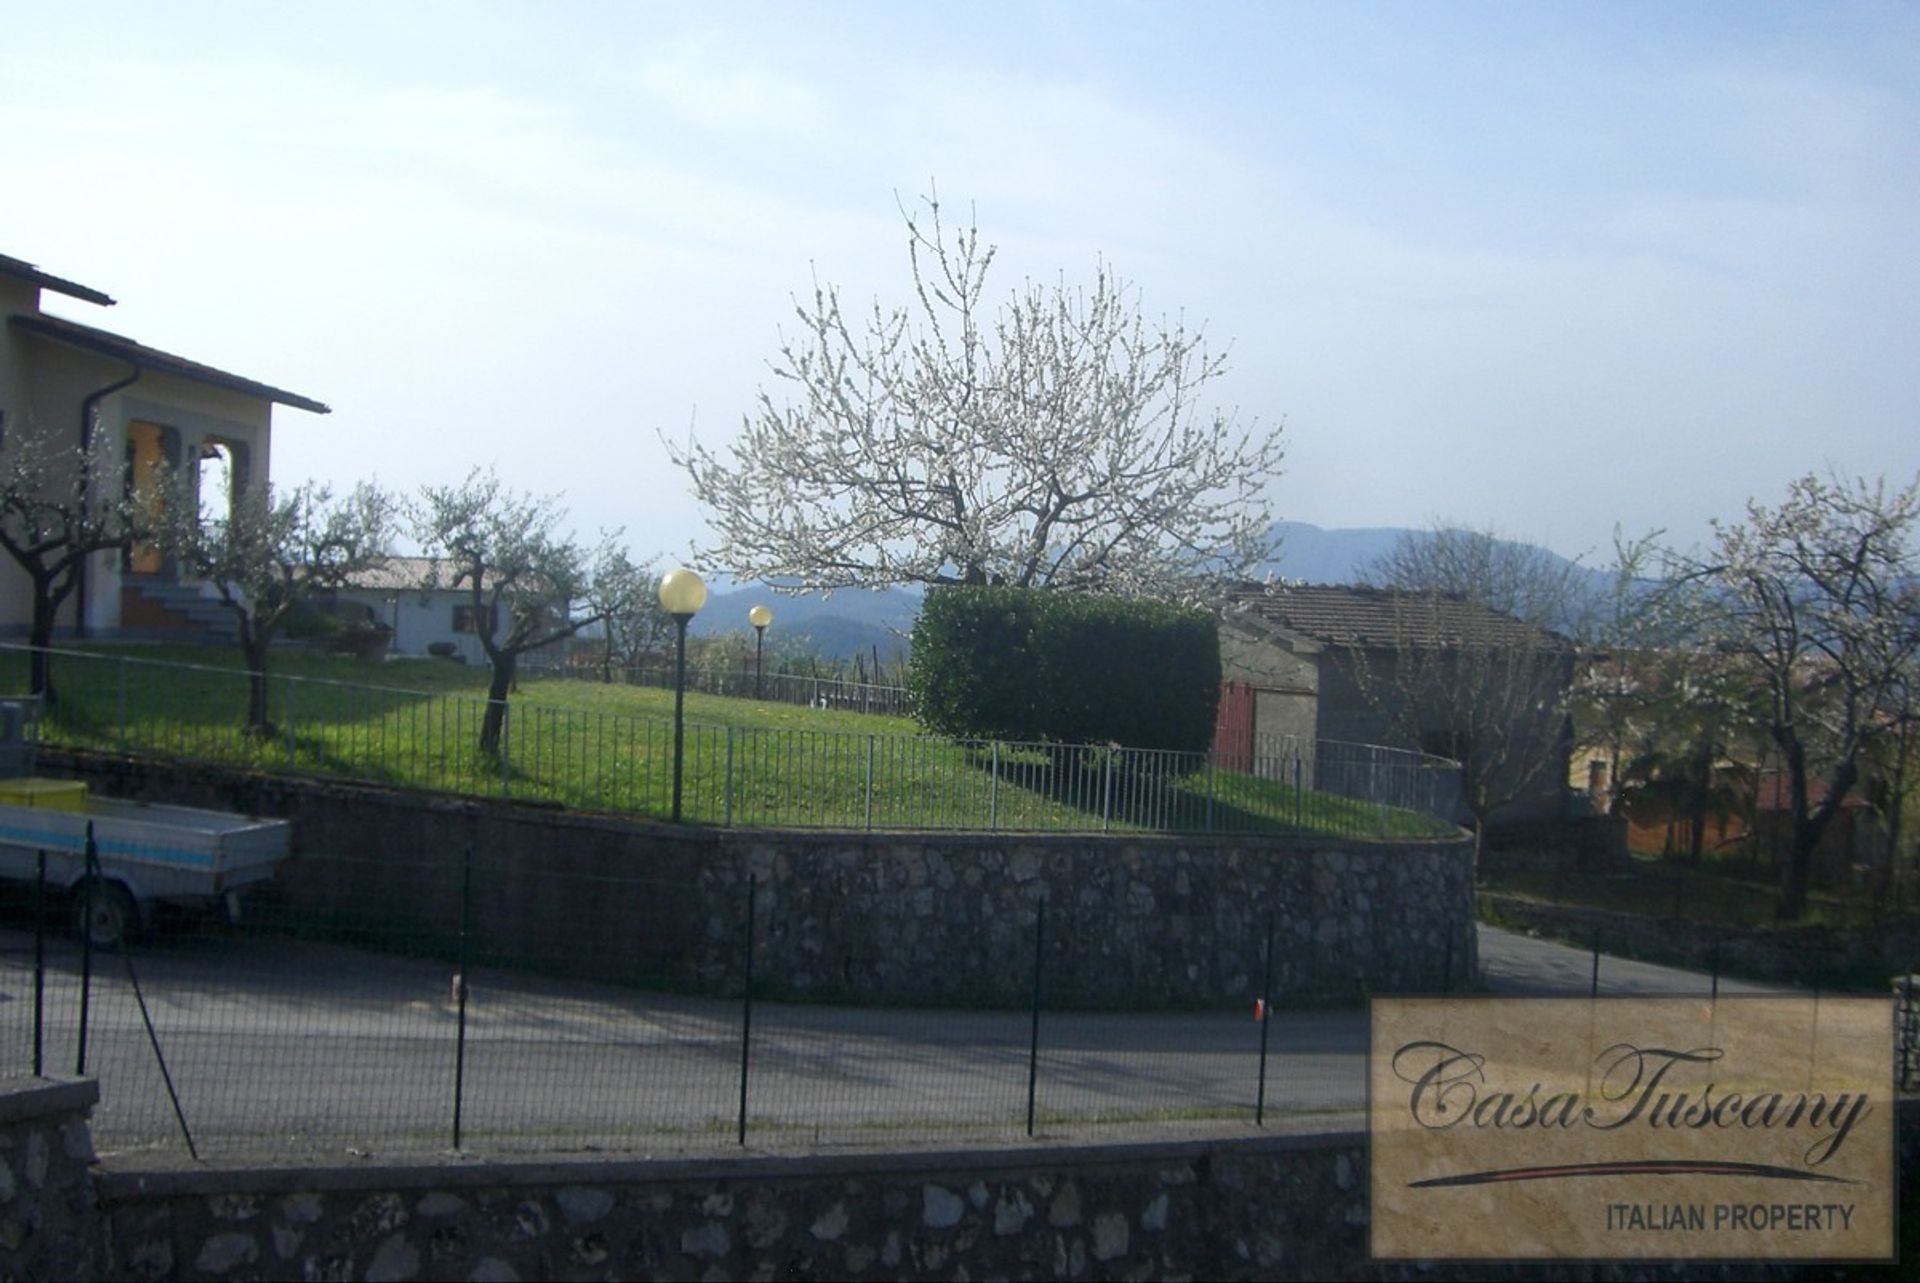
(1307,664)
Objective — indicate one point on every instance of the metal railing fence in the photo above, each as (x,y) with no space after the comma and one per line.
(742,683)
(734,775)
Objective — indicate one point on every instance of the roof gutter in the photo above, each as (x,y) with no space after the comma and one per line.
(89,407)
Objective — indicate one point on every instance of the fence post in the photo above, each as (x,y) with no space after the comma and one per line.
(1106,792)
(506,748)
(746,1011)
(1299,793)
(993,790)
(120,704)
(460,991)
(1594,992)
(39,960)
(1266,1020)
(1209,792)
(727,805)
(869,783)
(1033,1038)
(86,951)
(291,746)
(159,1056)
(1377,768)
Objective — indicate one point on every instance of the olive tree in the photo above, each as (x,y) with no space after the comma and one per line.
(60,505)
(625,595)
(527,584)
(1055,438)
(273,552)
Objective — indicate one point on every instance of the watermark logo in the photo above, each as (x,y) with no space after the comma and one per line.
(1675,1128)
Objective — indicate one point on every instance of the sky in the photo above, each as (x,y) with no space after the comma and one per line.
(1540,268)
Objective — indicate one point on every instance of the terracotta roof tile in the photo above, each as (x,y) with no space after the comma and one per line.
(1345,615)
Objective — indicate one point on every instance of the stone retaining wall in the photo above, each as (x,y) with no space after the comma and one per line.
(1258,1207)
(49,1221)
(1279,1207)
(1133,921)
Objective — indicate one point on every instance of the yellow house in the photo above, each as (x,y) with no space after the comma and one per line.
(68,382)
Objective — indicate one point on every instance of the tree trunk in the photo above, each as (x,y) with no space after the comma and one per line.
(1809,822)
(258,727)
(1793,885)
(40,638)
(496,718)
(1888,888)
(1700,786)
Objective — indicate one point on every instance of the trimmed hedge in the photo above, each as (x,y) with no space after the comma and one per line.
(1028,664)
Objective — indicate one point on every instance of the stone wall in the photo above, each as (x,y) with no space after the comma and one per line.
(893,917)
(1245,1207)
(1131,922)
(49,1225)
(1268,1207)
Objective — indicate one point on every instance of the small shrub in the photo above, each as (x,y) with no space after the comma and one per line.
(306,622)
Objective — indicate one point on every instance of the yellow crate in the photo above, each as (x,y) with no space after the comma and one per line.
(46,795)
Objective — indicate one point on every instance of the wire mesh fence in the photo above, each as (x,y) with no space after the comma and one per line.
(748,774)
(293,1036)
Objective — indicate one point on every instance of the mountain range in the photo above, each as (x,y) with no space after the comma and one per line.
(857,621)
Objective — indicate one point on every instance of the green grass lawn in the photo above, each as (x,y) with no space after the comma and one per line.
(592,746)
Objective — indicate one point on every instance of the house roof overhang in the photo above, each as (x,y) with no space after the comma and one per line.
(415,574)
(20,269)
(139,355)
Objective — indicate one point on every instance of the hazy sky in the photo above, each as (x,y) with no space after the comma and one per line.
(1544,267)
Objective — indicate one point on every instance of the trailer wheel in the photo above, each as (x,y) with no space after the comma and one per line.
(108,915)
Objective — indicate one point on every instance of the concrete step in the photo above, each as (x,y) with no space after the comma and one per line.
(160,609)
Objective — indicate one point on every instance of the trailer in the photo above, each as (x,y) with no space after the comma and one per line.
(144,854)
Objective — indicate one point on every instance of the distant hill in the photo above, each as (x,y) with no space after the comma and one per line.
(851,622)
(855,621)
(1316,556)
(1312,555)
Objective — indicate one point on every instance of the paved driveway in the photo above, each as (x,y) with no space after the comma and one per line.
(288,1048)
(1516,964)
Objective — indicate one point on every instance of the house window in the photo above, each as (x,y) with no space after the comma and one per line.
(465,616)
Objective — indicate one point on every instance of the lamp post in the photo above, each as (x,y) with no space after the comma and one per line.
(759,617)
(683,594)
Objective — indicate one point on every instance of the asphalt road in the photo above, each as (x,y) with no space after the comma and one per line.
(291,1049)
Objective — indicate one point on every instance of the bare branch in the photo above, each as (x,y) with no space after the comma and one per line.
(1056,442)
